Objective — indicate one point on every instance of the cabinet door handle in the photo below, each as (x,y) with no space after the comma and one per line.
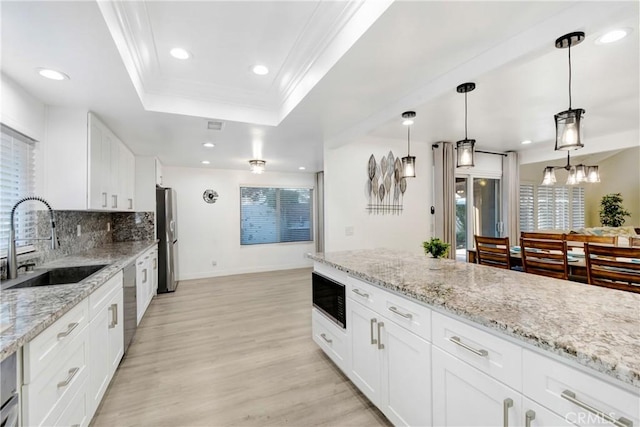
(70,328)
(114,201)
(399,313)
(130,203)
(144,280)
(324,337)
(529,416)
(380,345)
(571,397)
(104,200)
(114,315)
(360,293)
(373,340)
(155,263)
(506,404)
(457,341)
(72,373)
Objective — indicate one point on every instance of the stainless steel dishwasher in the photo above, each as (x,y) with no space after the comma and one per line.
(130,304)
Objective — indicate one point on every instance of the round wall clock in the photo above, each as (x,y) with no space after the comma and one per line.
(210,196)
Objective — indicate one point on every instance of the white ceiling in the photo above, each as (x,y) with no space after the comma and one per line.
(353,74)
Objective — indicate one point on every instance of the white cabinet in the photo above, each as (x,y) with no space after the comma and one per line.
(86,166)
(390,365)
(539,416)
(464,396)
(146,280)
(106,340)
(332,339)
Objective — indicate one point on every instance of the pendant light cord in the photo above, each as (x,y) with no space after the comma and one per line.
(408,140)
(569,74)
(465,115)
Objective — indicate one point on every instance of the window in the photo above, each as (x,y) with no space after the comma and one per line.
(17,164)
(275,215)
(551,207)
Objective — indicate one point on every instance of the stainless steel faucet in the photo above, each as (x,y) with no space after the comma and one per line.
(12,262)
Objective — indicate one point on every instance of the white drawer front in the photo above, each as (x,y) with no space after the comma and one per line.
(46,397)
(75,413)
(497,357)
(554,385)
(46,347)
(409,315)
(102,295)
(364,293)
(330,338)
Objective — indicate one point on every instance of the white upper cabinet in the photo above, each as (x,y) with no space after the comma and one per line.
(86,166)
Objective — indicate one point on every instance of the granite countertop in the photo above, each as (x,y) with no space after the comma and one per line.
(593,326)
(26,312)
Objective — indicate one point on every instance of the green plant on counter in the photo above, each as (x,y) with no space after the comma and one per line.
(436,247)
(611,211)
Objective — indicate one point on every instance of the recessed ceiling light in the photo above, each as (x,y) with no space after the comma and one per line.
(260,70)
(526,141)
(52,74)
(613,36)
(302,168)
(205,162)
(180,53)
(208,145)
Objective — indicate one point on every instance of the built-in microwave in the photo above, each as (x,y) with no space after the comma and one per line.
(329,298)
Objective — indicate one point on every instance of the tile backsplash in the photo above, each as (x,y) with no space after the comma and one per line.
(94,229)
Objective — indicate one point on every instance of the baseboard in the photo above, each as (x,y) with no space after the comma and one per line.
(258,269)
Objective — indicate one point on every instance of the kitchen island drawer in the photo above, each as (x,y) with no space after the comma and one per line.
(577,396)
(41,351)
(407,314)
(495,356)
(330,338)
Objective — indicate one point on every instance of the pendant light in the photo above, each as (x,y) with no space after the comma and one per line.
(578,174)
(465,147)
(408,162)
(257,166)
(569,122)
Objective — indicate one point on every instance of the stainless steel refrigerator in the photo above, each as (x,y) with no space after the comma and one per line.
(168,236)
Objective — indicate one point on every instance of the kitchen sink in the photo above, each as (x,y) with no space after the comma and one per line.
(55,276)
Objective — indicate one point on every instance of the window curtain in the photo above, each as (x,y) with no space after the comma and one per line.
(511,197)
(444,182)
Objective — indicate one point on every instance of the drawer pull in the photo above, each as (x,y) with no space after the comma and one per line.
(457,341)
(360,293)
(399,313)
(72,373)
(104,200)
(529,416)
(373,340)
(380,345)
(620,422)
(71,327)
(506,404)
(324,337)
(114,315)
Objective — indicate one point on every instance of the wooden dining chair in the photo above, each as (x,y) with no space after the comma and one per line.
(545,257)
(634,241)
(588,238)
(493,251)
(613,267)
(542,236)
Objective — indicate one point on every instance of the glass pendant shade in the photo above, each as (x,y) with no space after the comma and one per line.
(581,174)
(465,153)
(593,175)
(257,166)
(569,129)
(572,179)
(549,176)
(409,167)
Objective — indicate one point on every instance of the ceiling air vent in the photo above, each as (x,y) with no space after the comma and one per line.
(215,125)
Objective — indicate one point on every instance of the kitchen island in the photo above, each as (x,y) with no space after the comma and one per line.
(26,312)
(532,325)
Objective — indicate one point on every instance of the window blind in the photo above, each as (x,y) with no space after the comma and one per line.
(551,207)
(17,179)
(527,208)
(275,215)
(577,207)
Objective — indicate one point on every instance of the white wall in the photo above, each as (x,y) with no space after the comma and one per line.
(208,232)
(21,111)
(345,175)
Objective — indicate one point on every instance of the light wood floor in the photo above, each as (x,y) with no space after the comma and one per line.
(232,351)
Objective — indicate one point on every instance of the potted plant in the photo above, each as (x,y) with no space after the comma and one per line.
(436,247)
(611,211)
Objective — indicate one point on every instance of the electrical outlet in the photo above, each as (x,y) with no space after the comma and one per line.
(214,263)
(348,231)
(108,226)
(79,230)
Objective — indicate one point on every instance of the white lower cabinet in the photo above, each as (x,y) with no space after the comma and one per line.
(146,280)
(390,365)
(464,396)
(538,416)
(332,340)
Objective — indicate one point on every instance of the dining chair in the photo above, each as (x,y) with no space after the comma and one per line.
(588,238)
(545,257)
(613,267)
(634,241)
(542,235)
(493,251)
